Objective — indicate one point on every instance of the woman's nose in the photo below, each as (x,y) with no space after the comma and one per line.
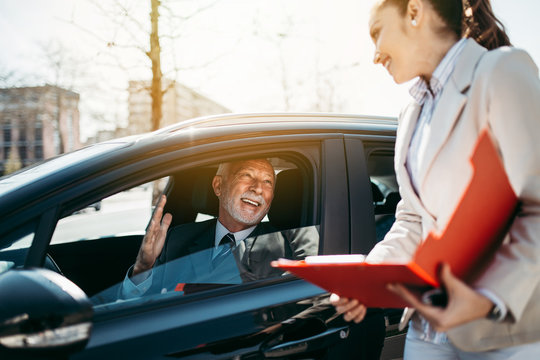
(377,58)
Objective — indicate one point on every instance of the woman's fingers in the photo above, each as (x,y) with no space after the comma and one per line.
(404,293)
(355,314)
(351,309)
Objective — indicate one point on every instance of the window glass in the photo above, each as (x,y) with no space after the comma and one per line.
(46,168)
(192,259)
(13,253)
(124,213)
(384,188)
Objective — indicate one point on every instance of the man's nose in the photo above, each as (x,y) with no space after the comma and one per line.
(256,186)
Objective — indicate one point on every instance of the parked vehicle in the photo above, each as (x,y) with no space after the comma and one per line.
(60,269)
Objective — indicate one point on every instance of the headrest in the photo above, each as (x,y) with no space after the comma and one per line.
(203,199)
(286,209)
(377,193)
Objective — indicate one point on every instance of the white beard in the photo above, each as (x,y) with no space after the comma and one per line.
(240,216)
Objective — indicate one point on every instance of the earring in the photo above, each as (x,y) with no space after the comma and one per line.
(413,22)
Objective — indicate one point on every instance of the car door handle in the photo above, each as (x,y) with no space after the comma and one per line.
(312,343)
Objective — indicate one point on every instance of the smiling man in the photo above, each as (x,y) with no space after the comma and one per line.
(245,190)
(194,252)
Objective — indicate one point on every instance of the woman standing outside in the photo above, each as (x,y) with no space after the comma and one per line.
(468,79)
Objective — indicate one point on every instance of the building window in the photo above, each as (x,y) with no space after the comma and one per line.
(7,135)
(38,152)
(38,134)
(22,152)
(22,133)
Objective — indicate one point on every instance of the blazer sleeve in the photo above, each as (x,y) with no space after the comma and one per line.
(402,239)
(512,106)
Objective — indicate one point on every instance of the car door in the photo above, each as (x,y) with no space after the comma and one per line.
(281,317)
(272,318)
(370,161)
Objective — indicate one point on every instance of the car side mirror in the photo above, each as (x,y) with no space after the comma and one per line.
(42,312)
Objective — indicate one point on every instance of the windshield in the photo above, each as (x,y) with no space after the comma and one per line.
(47,167)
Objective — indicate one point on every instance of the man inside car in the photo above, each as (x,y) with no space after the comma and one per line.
(236,247)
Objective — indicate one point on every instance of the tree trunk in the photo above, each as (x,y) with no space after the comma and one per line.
(155,57)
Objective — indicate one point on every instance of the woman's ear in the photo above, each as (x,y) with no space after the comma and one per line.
(415,12)
(216,184)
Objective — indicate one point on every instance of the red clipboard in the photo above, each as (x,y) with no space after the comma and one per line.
(473,233)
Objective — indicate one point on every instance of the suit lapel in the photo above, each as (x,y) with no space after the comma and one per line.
(450,104)
(205,239)
(201,250)
(248,244)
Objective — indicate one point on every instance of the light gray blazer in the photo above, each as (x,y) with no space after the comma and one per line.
(500,90)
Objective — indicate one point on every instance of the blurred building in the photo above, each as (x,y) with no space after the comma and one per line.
(179,103)
(37,123)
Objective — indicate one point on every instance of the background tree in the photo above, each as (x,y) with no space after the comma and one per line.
(130,34)
(14,162)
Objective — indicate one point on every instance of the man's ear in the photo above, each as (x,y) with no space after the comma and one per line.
(216,184)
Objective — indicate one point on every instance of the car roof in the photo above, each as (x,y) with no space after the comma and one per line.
(66,169)
(281,120)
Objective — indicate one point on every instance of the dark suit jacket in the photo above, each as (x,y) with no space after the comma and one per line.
(187,255)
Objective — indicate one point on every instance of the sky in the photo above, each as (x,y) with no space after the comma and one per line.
(248,55)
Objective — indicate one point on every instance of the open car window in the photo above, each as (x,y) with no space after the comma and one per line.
(96,246)
(123,213)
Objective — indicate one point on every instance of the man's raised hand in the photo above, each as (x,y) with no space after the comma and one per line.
(154,239)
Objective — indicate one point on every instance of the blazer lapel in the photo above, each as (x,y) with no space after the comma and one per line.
(406,129)
(446,113)
(451,104)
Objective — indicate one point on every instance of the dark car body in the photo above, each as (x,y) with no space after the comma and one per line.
(343,184)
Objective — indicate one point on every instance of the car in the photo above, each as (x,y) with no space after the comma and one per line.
(61,270)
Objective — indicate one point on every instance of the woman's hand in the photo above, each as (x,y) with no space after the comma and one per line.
(464,303)
(351,308)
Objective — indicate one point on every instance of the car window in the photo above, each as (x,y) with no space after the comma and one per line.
(45,168)
(126,212)
(207,269)
(384,188)
(13,254)
(187,263)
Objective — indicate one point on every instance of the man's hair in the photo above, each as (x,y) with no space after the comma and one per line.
(225,168)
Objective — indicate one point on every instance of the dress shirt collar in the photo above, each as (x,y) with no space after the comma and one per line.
(239,236)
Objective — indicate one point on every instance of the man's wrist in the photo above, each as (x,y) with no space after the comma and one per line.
(138,278)
(137,269)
